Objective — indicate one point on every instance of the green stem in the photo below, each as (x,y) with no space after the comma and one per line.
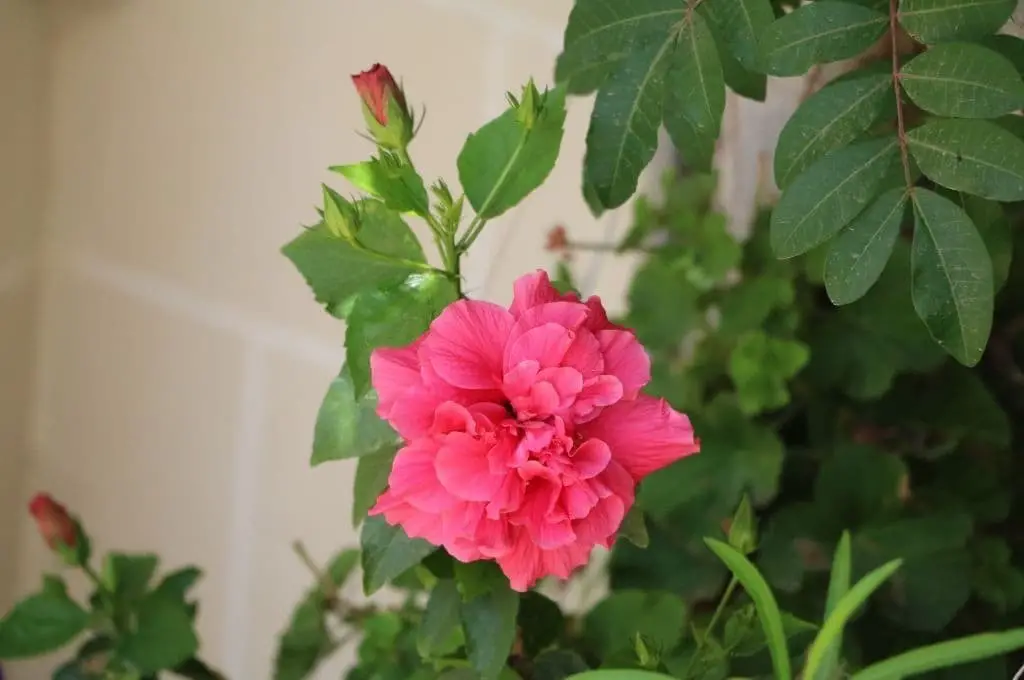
(719,610)
(94,577)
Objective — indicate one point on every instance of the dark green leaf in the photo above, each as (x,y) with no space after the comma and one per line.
(388,552)
(178,583)
(541,622)
(397,184)
(623,131)
(600,35)
(831,118)
(694,79)
(196,669)
(509,157)
(439,633)
(821,32)
(478,578)
(634,529)
(347,427)
(952,285)
(742,23)
(829,194)
(620,675)
(40,624)
(1010,46)
(996,231)
(392,317)
(489,623)
(858,256)
(963,80)
(614,623)
(695,149)
(372,473)
(931,21)
(975,156)
(743,635)
(558,664)
(336,269)
(858,484)
(163,636)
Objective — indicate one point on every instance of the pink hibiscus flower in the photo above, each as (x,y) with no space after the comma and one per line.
(526,430)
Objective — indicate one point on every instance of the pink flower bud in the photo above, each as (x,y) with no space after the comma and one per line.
(55,524)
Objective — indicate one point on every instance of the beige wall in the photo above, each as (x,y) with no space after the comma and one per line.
(21,150)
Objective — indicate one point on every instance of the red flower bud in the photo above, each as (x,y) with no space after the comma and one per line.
(374,87)
(54,522)
(558,239)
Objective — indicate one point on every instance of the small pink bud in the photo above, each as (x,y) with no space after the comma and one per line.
(375,86)
(55,524)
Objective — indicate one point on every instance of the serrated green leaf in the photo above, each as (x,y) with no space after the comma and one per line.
(347,427)
(489,623)
(372,473)
(387,552)
(163,636)
(952,283)
(858,256)
(40,624)
(392,317)
(694,77)
(438,634)
(963,80)
(943,655)
(975,156)
(397,184)
(504,161)
(821,32)
(741,23)
(623,132)
(601,35)
(932,21)
(335,269)
(831,118)
(829,194)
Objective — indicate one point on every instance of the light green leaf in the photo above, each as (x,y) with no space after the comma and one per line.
(397,184)
(838,587)
(943,655)
(932,21)
(963,80)
(829,194)
(821,32)
(392,317)
(600,36)
(741,23)
(336,269)
(760,366)
(694,77)
(858,256)
(767,608)
(40,624)
(387,552)
(439,633)
(372,473)
(634,528)
(128,576)
(952,277)
(831,118)
(505,160)
(489,623)
(163,636)
(832,629)
(975,156)
(743,527)
(347,427)
(623,133)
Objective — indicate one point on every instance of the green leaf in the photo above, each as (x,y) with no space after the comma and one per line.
(541,622)
(439,633)
(347,427)
(952,285)
(478,578)
(336,269)
(838,587)
(163,636)
(833,627)
(128,576)
(829,119)
(943,655)
(388,552)
(995,229)
(623,132)
(600,36)
(397,184)
(741,23)
(196,669)
(767,608)
(821,32)
(392,317)
(1010,46)
(743,528)
(742,634)
(963,80)
(760,366)
(619,675)
(858,256)
(489,623)
(932,21)
(505,160)
(694,78)
(829,194)
(372,473)
(558,664)
(975,156)
(40,624)
(614,623)
(858,484)
(696,150)
(179,582)
(634,529)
